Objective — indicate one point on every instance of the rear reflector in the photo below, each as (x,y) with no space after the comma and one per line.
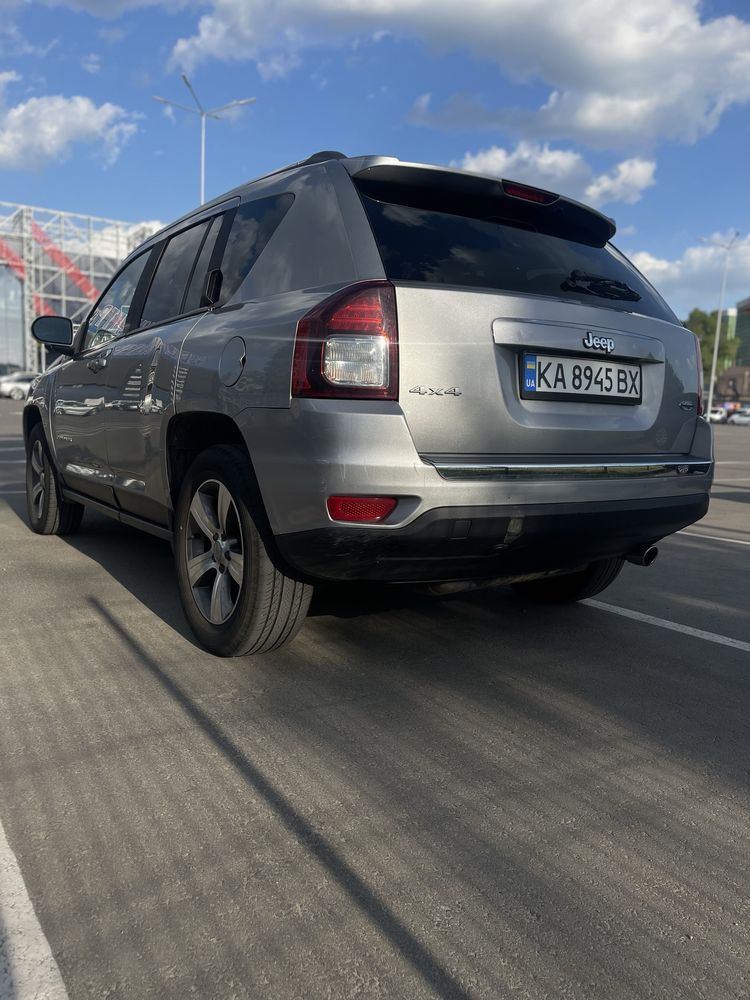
(363,510)
(347,347)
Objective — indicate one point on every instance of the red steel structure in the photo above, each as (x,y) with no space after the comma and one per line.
(62,260)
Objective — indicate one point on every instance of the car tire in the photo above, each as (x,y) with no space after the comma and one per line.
(570,587)
(48,513)
(17,393)
(237,597)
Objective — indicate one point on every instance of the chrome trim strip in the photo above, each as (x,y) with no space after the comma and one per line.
(573,470)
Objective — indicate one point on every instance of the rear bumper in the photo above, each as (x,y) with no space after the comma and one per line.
(462,543)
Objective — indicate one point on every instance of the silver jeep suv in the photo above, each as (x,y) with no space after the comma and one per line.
(361,369)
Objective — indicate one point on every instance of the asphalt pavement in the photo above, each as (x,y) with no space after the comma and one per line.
(464,798)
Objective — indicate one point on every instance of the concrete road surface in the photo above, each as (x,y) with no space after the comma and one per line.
(468,798)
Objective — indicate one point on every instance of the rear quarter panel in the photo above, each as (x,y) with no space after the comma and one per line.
(308,257)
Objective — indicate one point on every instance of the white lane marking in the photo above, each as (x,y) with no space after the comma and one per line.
(11,493)
(713,538)
(13,461)
(28,970)
(697,633)
(728,462)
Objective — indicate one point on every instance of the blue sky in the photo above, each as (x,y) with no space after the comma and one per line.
(638,107)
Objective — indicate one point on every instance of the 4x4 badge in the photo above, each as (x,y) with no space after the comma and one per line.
(593,343)
(425,390)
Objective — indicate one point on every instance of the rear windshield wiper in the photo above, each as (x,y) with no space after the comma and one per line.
(599,285)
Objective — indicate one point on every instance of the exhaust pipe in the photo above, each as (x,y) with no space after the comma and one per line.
(642,556)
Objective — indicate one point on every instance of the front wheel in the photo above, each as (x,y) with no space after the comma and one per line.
(236,596)
(17,393)
(570,587)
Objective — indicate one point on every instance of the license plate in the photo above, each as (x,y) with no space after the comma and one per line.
(546,376)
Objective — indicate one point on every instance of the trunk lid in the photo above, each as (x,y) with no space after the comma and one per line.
(487,272)
(471,344)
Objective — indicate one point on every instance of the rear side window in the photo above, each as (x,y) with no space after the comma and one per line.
(441,248)
(164,299)
(254,224)
(194,299)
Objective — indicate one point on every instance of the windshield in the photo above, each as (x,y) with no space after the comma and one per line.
(447,249)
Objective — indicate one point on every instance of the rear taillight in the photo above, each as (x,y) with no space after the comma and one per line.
(347,347)
(699,372)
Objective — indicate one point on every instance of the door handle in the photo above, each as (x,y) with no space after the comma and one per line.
(96,364)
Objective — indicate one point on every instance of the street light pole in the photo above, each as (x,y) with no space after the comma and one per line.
(203,115)
(727,247)
(203,159)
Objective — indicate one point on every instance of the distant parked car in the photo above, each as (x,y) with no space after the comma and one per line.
(16,386)
(718,415)
(741,417)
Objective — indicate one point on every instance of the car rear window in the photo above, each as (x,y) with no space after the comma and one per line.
(445,248)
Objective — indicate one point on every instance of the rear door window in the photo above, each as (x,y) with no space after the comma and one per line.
(164,299)
(254,224)
(441,248)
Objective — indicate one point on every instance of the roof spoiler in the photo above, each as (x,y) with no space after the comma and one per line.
(489,198)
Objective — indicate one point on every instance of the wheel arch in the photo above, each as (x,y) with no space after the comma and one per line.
(32,416)
(189,434)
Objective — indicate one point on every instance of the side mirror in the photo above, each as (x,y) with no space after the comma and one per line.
(56,331)
(214,281)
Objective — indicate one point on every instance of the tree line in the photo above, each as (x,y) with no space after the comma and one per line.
(703,325)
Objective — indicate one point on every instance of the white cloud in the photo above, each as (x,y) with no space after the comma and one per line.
(694,278)
(422,104)
(625,183)
(7,76)
(13,43)
(111,9)
(42,130)
(113,34)
(619,75)
(564,171)
(278,65)
(92,63)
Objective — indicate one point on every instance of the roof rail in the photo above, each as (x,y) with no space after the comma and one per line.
(320,157)
(323,155)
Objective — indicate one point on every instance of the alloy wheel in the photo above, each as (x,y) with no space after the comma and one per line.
(38,479)
(214,552)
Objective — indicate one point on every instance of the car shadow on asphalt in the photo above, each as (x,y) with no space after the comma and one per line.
(494,617)
(734,495)
(144,566)
(648,689)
